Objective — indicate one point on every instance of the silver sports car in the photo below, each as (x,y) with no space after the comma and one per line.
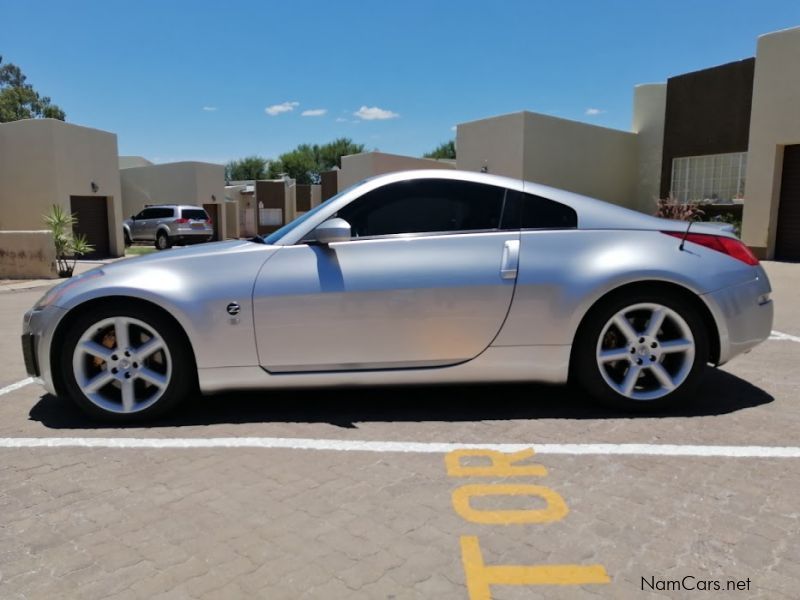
(413,277)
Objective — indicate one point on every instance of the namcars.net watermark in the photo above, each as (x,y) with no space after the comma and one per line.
(690,583)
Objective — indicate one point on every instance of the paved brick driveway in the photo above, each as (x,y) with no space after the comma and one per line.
(281,523)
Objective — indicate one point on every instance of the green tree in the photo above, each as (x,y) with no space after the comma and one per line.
(445,150)
(331,153)
(250,167)
(307,161)
(18,99)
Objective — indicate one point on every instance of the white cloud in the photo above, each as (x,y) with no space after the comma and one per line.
(593,112)
(453,128)
(283,107)
(374,114)
(209,108)
(341,120)
(314,112)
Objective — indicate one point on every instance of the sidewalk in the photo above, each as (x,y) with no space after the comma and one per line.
(81,266)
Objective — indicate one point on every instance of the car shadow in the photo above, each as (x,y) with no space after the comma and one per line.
(721,393)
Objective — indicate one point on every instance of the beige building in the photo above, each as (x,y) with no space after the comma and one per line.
(356,167)
(575,156)
(727,136)
(45,162)
(197,183)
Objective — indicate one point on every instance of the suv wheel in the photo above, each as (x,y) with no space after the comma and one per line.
(162,241)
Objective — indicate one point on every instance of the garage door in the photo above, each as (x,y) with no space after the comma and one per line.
(787,245)
(92,214)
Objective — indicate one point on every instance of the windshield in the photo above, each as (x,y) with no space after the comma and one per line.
(279,233)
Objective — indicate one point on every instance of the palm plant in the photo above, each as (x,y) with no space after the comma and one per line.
(68,245)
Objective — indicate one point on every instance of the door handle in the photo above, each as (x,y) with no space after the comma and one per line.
(510,262)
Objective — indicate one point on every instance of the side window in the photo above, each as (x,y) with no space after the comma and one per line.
(147,213)
(535,212)
(425,206)
(164,213)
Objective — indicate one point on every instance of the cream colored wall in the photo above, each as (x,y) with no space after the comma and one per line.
(126,162)
(316,195)
(45,161)
(188,182)
(360,166)
(586,159)
(774,123)
(494,145)
(27,255)
(649,109)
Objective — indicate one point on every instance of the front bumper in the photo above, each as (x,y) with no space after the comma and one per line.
(38,327)
(743,313)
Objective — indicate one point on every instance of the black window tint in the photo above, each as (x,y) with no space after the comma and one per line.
(194,213)
(425,206)
(164,213)
(540,213)
(147,213)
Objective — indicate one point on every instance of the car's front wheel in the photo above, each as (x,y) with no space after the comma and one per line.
(125,363)
(645,351)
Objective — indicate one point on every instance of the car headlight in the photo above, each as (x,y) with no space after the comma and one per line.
(54,293)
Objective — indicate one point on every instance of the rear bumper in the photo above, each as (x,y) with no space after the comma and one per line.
(191,238)
(743,314)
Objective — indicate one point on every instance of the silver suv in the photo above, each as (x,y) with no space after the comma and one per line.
(168,224)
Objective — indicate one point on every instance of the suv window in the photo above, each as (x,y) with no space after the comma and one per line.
(148,213)
(198,214)
(425,206)
(163,213)
(535,212)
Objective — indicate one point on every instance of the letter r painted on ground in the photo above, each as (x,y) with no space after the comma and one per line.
(502,464)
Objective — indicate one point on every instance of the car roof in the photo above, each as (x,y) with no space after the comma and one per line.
(174,206)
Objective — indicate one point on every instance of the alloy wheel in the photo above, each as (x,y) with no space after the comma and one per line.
(122,365)
(645,351)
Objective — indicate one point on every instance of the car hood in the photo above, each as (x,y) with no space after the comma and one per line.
(170,273)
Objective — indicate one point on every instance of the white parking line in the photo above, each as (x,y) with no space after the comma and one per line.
(779,335)
(410,447)
(17,385)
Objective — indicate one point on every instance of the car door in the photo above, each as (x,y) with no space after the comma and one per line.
(140,224)
(426,280)
(161,215)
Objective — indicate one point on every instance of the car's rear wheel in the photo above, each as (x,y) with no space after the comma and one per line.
(643,351)
(162,241)
(125,364)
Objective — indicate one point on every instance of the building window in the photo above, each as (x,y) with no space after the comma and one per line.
(268,217)
(711,178)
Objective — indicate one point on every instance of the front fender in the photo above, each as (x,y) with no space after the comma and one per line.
(195,285)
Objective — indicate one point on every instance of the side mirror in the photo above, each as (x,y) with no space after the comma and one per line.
(133,217)
(333,230)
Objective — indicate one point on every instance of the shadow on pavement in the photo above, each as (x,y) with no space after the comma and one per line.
(721,393)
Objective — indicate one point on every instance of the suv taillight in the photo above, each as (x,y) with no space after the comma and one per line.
(730,246)
(181,221)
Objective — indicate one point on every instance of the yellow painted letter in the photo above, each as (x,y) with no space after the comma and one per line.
(502,464)
(555,510)
(480,576)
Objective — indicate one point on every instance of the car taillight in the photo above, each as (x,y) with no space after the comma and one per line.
(210,222)
(730,246)
(181,221)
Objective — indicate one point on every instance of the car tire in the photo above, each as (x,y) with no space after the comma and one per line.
(162,241)
(155,366)
(657,361)
(128,241)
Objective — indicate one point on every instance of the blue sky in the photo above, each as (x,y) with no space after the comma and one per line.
(192,80)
